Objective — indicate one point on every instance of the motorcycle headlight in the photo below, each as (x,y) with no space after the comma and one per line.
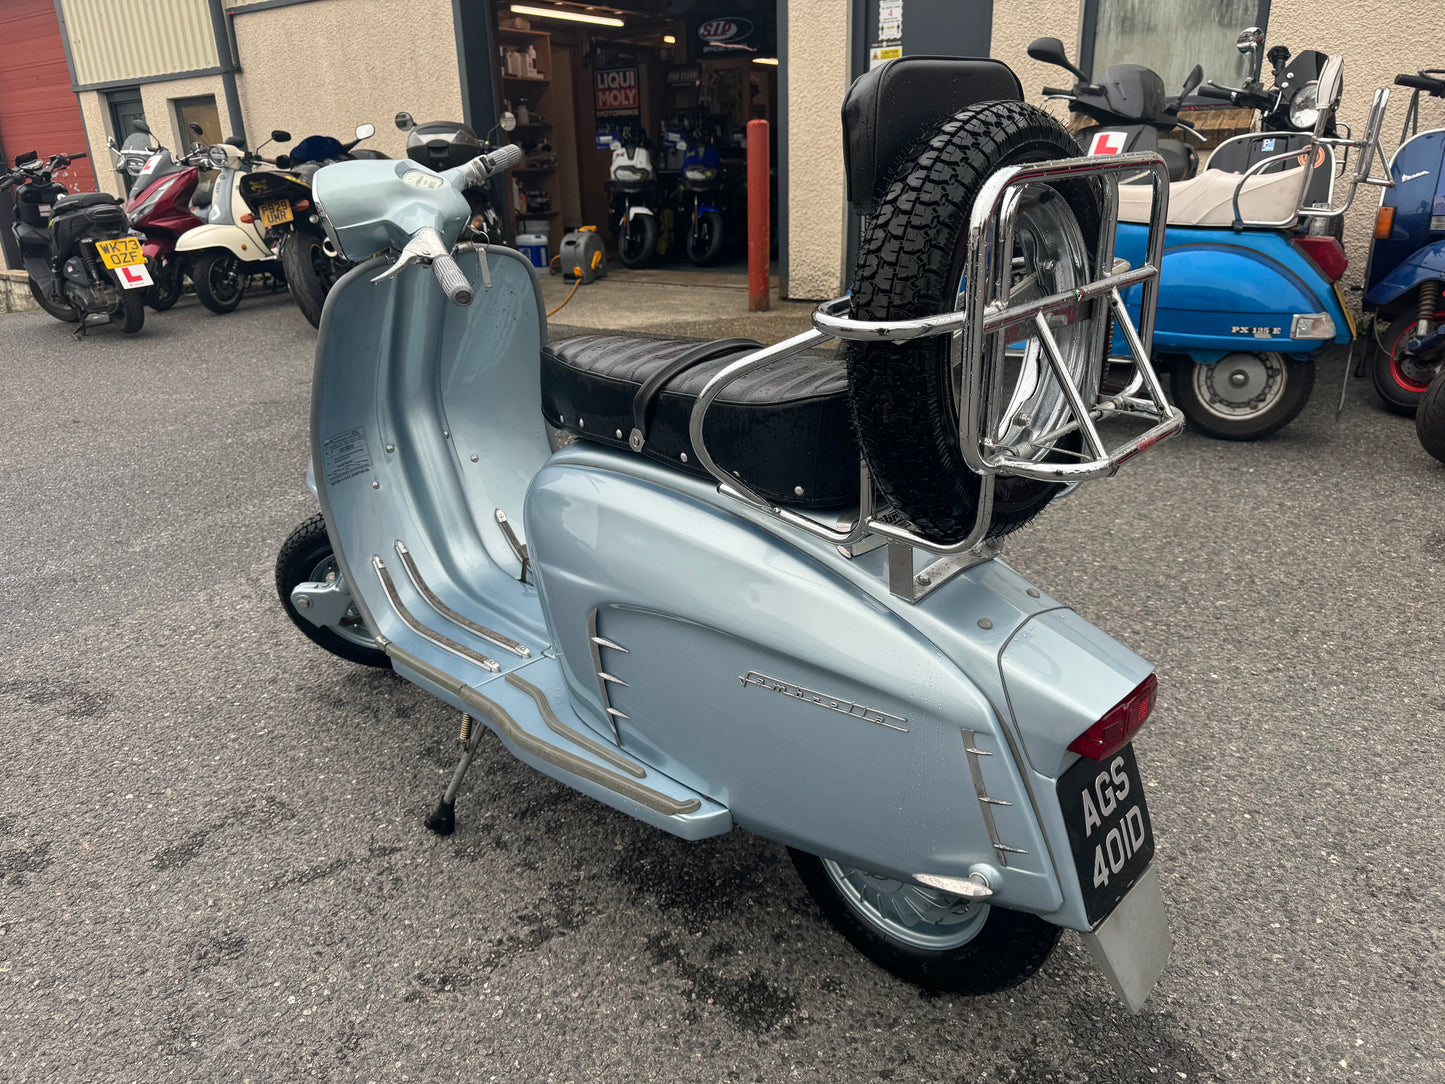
(218,157)
(1304,107)
(134,166)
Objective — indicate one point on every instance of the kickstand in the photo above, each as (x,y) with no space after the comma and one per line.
(443,819)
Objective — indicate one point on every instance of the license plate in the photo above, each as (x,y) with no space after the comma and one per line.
(1109,829)
(1345,308)
(121,252)
(277,213)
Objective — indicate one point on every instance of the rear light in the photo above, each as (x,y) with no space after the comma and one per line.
(248,218)
(1118,725)
(1327,253)
(302,204)
(1384,222)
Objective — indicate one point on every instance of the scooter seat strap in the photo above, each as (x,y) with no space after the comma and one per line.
(653,385)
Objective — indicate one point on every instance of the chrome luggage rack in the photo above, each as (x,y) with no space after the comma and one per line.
(981,329)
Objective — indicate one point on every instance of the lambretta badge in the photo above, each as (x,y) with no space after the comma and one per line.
(823,700)
(1257,332)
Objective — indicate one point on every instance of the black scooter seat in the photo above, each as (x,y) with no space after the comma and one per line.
(77,201)
(785,429)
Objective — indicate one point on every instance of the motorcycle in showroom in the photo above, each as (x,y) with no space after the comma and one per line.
(228,248)
(718,602)
(634,189)
(80,254)
(281,200)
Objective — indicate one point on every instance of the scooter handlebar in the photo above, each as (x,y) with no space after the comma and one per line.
(1421,82)
(1222,93)
(1056,92)
(488,165)
(450,278)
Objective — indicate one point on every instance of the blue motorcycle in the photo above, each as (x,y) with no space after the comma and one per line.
(661,572)
(1407,261)
(1250,290)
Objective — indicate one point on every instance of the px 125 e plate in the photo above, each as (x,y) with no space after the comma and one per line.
(1109,829)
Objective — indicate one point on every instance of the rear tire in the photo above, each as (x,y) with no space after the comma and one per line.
(911,264)
(219,282)
(705,239)
(66,312)
(307,557)
(1401,377)
(309,272)
(1207,394)
(946,943)
(637,243)
(1430,419)
(130,313)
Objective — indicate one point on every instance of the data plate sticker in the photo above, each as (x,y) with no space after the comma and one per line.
(345,455)
(1109,829)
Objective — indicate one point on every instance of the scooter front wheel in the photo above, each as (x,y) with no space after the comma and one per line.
(638,242)
(1243,396)
(924,935)
(1430,419)
(307,557)
(1401,377)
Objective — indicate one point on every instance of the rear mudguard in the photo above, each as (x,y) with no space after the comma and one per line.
(1425,265)
(1223,291)
(758,676)
(248,246)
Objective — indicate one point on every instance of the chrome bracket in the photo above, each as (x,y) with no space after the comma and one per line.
(519,548)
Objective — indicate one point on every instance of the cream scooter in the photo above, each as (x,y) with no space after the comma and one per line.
(229,248)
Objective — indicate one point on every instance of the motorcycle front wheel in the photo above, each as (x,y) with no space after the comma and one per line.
(638,241)
(307,557)
(220,283)
(705,239)
(167,277)
(905,395)
(924,935)
(64,312)
(1430,419)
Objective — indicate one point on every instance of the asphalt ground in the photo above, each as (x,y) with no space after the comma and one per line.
(212,859)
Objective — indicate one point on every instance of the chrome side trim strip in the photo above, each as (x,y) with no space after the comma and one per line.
(510,729)
(557,726)
(506,643)
(443,642)
(986,803)
(594,642)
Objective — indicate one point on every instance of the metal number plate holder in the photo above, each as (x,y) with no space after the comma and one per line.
(981,327)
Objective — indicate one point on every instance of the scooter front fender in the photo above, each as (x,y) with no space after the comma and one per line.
(1222,291)
(1425,265)
(243,243)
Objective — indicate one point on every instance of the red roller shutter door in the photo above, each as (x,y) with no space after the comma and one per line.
(38,110)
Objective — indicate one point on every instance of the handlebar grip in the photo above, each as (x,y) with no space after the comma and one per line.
(1055,90)
(450,278)
(503,158)
(79,154)
(1222,93)
(1421,82)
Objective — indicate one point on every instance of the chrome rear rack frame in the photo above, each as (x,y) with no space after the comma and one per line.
(980,329)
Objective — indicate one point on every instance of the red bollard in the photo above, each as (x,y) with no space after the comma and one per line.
(759,224)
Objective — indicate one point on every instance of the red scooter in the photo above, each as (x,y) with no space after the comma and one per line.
(159,208)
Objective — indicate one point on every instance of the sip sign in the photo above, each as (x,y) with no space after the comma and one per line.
(728,34)
(616,90)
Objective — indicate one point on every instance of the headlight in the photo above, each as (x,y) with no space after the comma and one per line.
(1303,107)
(133,166)
(217,155)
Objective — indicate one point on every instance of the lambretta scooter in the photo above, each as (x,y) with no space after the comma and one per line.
(723,604)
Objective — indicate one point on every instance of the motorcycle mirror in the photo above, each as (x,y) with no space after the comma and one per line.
(1192,80)
(1250,39)
(365,131)
(1331,85)
(508,121)
(404,121)
(141,126)
(110,142)
(283,161)
(1051,51)
(280,136)
(196,129)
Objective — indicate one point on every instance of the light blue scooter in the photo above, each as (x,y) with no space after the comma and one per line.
(944,747)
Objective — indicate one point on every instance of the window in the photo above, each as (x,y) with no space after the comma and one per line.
(1170,36)
(202,111)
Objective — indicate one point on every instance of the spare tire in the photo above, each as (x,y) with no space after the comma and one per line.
(911,263)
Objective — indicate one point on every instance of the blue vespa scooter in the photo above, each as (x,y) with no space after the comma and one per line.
(1406,270)
(1248,297)
(700,611)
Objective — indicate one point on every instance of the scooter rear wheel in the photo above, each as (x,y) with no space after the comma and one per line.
(905,395)
(1242,396)
(1430,419)
(307,557)
(130,311)
(924,935)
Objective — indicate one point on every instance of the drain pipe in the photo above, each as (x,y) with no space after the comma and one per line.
(226,57)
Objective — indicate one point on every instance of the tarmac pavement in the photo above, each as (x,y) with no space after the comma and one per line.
(213,866)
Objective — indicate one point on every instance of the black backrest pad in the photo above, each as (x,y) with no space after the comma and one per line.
(889,108)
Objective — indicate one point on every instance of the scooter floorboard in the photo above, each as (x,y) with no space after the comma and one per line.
(529,709)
